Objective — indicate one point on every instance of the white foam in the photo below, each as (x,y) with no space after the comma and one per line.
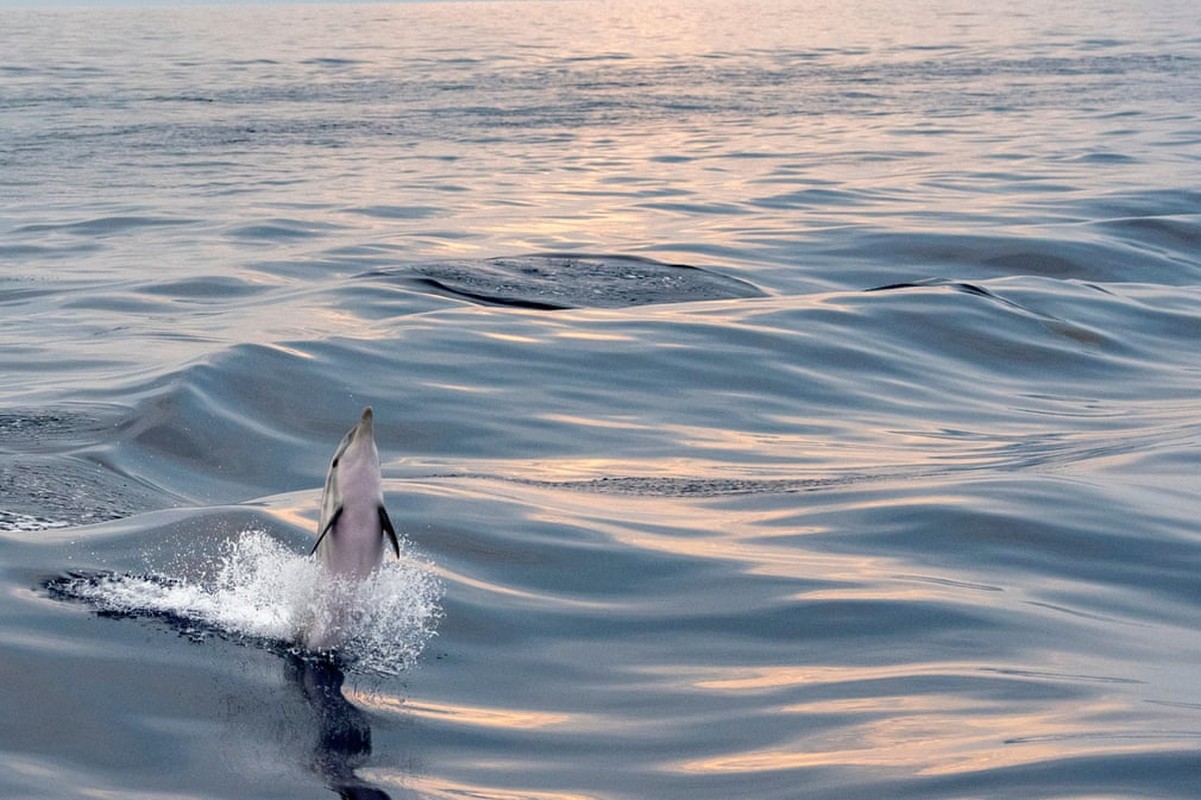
(263,590)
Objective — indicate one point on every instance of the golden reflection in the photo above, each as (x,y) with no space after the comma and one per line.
(433,786)
(296,516)
(602,221)
(765,542)
(567,470)
(510,337)
(946,735)
(593,336)
(477,716)
(535,597)
(291,351)
(473,716)
(771,678)
(760,557)
(588,422)
(584,468)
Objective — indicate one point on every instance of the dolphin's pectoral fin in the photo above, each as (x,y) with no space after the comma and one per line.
(333,520)
(386,524)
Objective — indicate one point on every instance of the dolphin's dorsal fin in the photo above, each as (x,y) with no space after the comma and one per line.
(333,519)
(386,524)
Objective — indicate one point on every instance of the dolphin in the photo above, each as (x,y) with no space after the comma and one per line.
(354,523)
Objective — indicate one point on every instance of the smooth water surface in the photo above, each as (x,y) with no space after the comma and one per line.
(778,400)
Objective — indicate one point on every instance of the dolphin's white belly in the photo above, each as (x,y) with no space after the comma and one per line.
(355,546)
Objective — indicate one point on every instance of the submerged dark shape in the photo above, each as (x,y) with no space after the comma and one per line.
(343,732)
(554,281)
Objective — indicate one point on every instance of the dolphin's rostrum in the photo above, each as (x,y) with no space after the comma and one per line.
(354,522)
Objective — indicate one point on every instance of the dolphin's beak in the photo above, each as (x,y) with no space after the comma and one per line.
(366,424)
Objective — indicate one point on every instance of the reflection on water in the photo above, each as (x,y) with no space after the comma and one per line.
(747,530)
(343,732)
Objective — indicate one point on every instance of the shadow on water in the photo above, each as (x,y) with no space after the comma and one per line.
(343,732)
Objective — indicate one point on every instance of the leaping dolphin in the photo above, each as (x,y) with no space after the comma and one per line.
(354,522)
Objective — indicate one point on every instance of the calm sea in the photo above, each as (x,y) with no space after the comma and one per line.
(778,399)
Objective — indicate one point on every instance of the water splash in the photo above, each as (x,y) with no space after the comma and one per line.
(262,591)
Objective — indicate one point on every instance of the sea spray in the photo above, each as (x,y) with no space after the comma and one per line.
(263,591)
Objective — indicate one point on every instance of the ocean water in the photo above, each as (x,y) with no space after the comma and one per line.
(778,400)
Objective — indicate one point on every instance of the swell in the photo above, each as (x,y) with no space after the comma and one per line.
(803,392)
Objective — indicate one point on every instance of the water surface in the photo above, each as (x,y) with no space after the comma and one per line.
(778,400)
